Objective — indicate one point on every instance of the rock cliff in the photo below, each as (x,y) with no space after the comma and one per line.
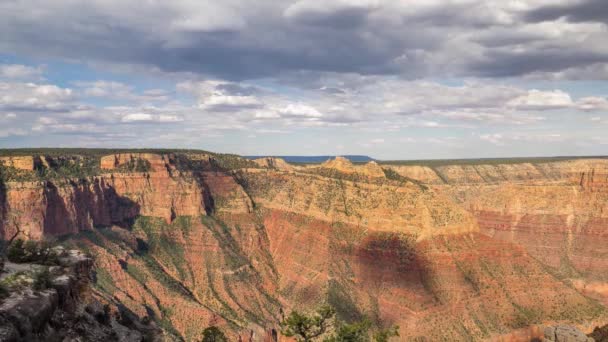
(450,252)
(57,305)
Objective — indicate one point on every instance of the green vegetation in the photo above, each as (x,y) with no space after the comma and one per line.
(42,280)
(4,291)
(69,166)
(136,165)
(9,173)
(306,328)
(214,334)
(79,163)
(235,258)
(17,280)
(322,326)
(391,174)
(356,332)
(338,296)
(161,246)
(30,251)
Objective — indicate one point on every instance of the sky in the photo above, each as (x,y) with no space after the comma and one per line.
(416,79)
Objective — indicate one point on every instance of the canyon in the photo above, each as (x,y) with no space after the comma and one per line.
(191,239)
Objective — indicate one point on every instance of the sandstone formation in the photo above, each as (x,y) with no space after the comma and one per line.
(420,173)
(455,252)
(345,166)
(20,163)
(157,162)
(274,163)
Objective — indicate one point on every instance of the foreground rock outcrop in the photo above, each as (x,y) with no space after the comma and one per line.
(61,309)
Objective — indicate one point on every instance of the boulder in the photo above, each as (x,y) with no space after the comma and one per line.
(565,333)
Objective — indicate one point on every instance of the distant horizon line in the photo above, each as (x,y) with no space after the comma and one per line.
(370,158)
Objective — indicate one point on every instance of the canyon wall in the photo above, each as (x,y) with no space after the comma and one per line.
(452,252)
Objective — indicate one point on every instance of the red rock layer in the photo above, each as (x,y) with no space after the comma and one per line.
(561,220)
(64,207)
(458,287)
(496,249)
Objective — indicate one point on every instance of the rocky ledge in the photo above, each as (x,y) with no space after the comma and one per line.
(50,302)
(566,333)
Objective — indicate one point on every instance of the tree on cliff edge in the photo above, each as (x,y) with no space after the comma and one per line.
(306,328)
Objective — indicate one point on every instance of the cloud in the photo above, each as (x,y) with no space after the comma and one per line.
(575,11)
(117,91)
(180,71)
(341,14)
(496,138)
(592,103)
(234,40)
(34,97)
(5,133)
(542,100)
(506,139)
(144,117)
(299,109)
(221,102)
(19,72)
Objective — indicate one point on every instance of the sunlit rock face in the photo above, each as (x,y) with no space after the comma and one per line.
(454,252)
(19,162)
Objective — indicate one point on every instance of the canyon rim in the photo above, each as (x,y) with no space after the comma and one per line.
(192,239)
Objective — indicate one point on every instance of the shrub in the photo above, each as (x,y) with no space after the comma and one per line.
(356,332)
(385,335)
(317,326)
(16,251)
(307,328)
(42,280)
(214,334)
(4,291)
(32,251)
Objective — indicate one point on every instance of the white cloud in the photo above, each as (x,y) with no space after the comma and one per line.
(113,90)
(504,139)
(300,110)
(222,101)
(144,117)
(20,72)
(266,114)
(496,138)
(31,96)
(542,100)
(592,103)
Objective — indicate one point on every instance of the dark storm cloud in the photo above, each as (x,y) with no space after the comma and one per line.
(506,63)
(345,18)
(506,38)
(581,11)
(235,40)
